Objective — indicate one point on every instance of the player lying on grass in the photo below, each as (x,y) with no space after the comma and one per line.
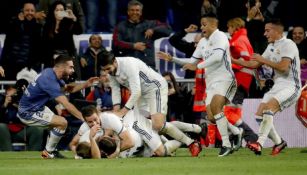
(146,142)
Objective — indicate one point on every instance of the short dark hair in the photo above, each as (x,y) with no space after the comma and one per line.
(107,145)
(106,58)
(276,22)
(212,18)
(133,3)
(61,59)
(88,110)
(209,15)
(27,2)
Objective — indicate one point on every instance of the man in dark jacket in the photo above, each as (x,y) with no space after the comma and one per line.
(21,46)
(90,63)
(135,37)
(184,46)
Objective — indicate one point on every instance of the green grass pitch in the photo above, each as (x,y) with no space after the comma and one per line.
(290,162)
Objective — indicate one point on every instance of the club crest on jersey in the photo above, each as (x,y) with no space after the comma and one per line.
(278,51)
(208,53)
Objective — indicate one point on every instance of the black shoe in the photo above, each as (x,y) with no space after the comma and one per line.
(58,155)
(238,140)
(52,155)
(225,151)
(204,130)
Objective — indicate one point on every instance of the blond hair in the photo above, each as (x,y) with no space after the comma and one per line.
(236,23)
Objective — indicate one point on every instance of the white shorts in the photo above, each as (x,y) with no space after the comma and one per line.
(39,118)
(142,126)
(155,101)
(223,88)
(150,137)
(285,95)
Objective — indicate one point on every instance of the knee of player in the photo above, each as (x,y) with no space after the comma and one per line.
(63,123)
(211,118)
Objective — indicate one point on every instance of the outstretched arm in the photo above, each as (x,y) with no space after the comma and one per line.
(168,57)
(74,87)
(251,64)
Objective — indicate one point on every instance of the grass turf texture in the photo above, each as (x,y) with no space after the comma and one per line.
(290,161)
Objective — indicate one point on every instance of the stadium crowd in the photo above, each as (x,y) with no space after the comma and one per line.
(45,108)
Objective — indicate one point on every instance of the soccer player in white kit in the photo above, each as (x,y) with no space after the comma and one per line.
(146,142)
(220,80)
(149,91)
(107,121)
(138,127)
(282,55)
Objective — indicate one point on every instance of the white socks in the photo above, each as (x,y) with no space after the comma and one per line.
(187,127)
(222,125)
(233,129)
(175,133)
(53,139)
(171,146)
(265,126)
(273,135)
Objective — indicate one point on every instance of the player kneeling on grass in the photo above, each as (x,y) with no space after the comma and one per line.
(50,85)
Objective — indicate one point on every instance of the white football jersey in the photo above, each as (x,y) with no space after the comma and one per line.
(216,55)
(139,78)
(285,48)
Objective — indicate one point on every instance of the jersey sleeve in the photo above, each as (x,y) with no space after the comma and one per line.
(288,50)
(113,122)
(116,93)
(135,86)
(50,86)
(83,128)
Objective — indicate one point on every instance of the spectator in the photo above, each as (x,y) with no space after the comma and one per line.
(255,26)
(22,44)
(102,93)
(90,63)
(61,24)
(182,45)
(11,128)
(208,7)
(176,102)
(299,37)
(135,36)
(73,5)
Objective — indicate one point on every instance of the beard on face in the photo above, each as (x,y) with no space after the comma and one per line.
(66,75)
